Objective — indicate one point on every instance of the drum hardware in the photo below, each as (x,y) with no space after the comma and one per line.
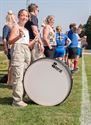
(54,65)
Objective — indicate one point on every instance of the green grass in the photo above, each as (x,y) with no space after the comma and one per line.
(1,47)
(3,63)
(88,71)
(67,113)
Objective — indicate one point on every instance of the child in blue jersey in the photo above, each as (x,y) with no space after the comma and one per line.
(62,42)
(72,49)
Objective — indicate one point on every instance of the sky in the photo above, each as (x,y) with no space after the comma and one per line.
(65,11)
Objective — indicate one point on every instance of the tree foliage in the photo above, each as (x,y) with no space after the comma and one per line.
(87,29)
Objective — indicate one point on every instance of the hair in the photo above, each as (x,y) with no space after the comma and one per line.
(72,25)
(49,18)
(10,12)
(9,20)
(80,26)
(58,28)
(19,13)
(32,7)
(74,28)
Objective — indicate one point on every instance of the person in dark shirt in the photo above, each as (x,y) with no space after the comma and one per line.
(72,49)
(32,26)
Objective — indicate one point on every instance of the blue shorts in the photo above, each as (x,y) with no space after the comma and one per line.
(78,53)
(59,52)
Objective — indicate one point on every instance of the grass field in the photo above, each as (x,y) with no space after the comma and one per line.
(67,113)
(88,71)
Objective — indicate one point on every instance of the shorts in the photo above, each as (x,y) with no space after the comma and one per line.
(78,53)
(49,52)
(72,53)
(59,52)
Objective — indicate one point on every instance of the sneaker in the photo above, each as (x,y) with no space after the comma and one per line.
(76,69)
(19,104)
(72,71)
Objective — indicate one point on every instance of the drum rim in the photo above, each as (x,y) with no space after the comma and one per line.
(69,72)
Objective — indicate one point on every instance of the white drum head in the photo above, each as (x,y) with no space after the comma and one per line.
(47,82)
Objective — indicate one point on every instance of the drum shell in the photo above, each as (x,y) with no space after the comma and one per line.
(40,83)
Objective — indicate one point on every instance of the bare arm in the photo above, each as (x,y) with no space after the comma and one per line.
(35,30)
(36,33)
(68,42)
(15,35)
(31,43)
(82,38)
(37,37)
(5,45)
(45,36)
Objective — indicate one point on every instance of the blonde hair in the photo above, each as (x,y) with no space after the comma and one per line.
(9,18)
(10,12)
(58,28)
(49,18)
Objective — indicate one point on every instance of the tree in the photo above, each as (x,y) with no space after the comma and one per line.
(87,28)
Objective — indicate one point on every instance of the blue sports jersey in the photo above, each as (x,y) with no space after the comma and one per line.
(61,39)
(6,32)
(74,39)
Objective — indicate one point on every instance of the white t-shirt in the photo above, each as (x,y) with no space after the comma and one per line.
(24,39)
(79,42)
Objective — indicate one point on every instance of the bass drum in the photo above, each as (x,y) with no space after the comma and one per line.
(47,82)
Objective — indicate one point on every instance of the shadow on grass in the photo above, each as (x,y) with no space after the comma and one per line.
(4,85)
(9,100)
(6,101)
(3,78)
(2,75)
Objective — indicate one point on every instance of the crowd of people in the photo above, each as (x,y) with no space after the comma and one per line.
(25,43)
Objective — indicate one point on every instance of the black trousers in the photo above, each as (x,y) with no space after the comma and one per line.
(49,52)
